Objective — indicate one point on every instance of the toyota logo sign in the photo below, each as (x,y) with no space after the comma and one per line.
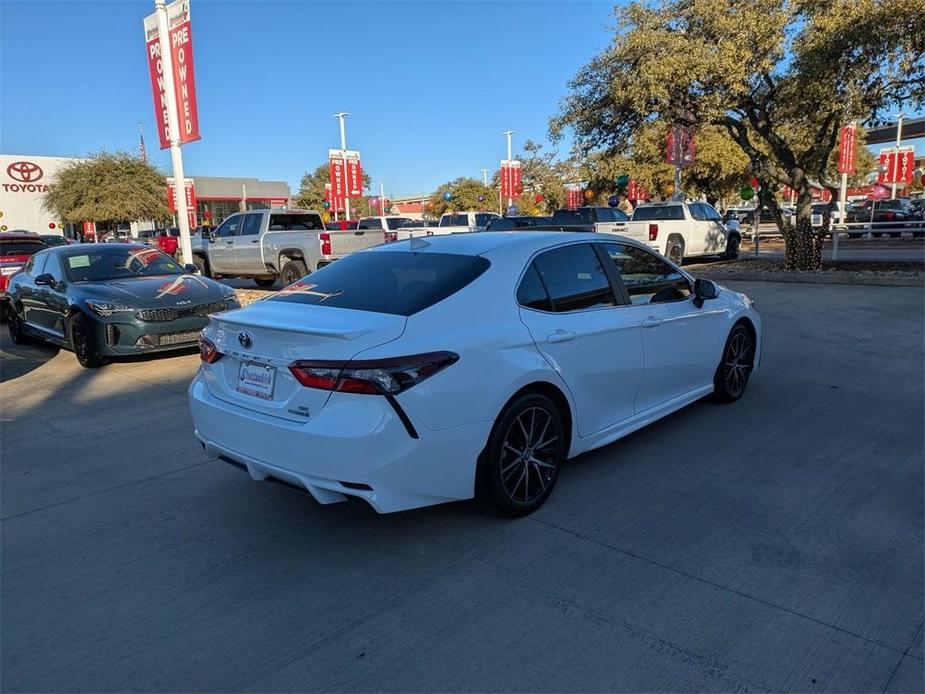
(24,171)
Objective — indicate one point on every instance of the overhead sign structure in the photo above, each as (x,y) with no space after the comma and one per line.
(847,154)
(190,189)
(511,185)
(184,83)
(897,165)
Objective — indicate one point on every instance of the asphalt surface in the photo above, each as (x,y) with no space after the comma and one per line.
(772,544)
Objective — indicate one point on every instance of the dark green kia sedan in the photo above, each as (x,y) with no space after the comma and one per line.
(111,299)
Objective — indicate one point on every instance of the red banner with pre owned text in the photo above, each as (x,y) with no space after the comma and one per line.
(184,83)
(180,39)
(847,154)
(190,189)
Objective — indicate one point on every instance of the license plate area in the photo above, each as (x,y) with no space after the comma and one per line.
(256,380)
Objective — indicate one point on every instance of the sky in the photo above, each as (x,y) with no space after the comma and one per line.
(429,85)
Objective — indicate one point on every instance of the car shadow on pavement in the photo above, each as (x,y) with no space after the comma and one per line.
(18,360)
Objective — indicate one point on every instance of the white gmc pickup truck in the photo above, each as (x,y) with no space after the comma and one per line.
(268,244)
(679,230)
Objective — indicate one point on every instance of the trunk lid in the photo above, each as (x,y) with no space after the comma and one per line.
(260,341)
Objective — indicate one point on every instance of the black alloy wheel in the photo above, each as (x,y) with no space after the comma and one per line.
(83,344)
(524,455)
(14,324)
(733,372)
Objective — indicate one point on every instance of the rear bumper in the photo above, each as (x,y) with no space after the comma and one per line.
(357,439)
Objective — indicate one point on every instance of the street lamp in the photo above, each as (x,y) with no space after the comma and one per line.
(343,148)
(899,136)
(510,201)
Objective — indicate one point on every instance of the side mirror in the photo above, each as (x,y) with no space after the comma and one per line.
(191,269)
(703,290)
(46,279)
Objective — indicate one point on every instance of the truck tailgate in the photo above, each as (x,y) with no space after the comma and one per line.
(638,231)
(346,242)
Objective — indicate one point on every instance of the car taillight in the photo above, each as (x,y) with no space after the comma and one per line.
(653,232)
(208,352)
(325,244)
(391,236)
(371,376)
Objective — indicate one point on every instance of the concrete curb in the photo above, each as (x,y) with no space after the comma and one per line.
(833,277)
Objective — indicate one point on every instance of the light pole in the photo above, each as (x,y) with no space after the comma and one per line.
(899,137)
(485,177)
(173,125)
(343,148)
(382,198)
(510,200)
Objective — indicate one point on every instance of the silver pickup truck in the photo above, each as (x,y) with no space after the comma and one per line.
(268,244)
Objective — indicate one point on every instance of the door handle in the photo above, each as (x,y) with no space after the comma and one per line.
(254,240)
(561,336)
(651,323)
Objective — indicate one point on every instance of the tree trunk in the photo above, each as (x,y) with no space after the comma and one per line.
(802,245)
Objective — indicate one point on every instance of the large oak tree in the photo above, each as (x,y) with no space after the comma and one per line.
(108,189)
(779,76)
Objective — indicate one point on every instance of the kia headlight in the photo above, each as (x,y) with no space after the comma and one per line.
(106,309)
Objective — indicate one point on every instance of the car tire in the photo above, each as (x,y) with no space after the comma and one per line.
(732,248)
(83,343)
(292,272)
(14,325)
(675,251)
(735,367)
(510,483)
(202,265)
(265,282)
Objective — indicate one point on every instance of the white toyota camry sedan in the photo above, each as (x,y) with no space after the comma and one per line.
(427,371)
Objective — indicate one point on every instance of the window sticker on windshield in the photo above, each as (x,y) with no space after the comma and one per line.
(75,261)
(170,265)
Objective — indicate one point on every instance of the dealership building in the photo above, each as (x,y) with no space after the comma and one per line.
(24,181)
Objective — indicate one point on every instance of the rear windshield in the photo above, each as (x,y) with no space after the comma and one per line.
(580,216)
(21,246)
(399,283)
(646,212)
(295,222)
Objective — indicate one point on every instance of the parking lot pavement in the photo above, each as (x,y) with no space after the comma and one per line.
(776,543)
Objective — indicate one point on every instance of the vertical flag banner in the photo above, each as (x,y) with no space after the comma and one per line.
(516,185)
(181,50)
(847,154)
(190,189)
(338,180)
(156,68)
(899,163)
(506,191)
(354,175)
(184,83)
(680,146)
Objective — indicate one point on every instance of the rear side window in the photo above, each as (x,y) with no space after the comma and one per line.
(531,293)
(295,222)
(395,222)
(395,282)
(483,219)
(370,224)
(574,278)
(653,212)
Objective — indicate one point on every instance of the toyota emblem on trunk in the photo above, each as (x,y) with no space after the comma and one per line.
(245,339)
